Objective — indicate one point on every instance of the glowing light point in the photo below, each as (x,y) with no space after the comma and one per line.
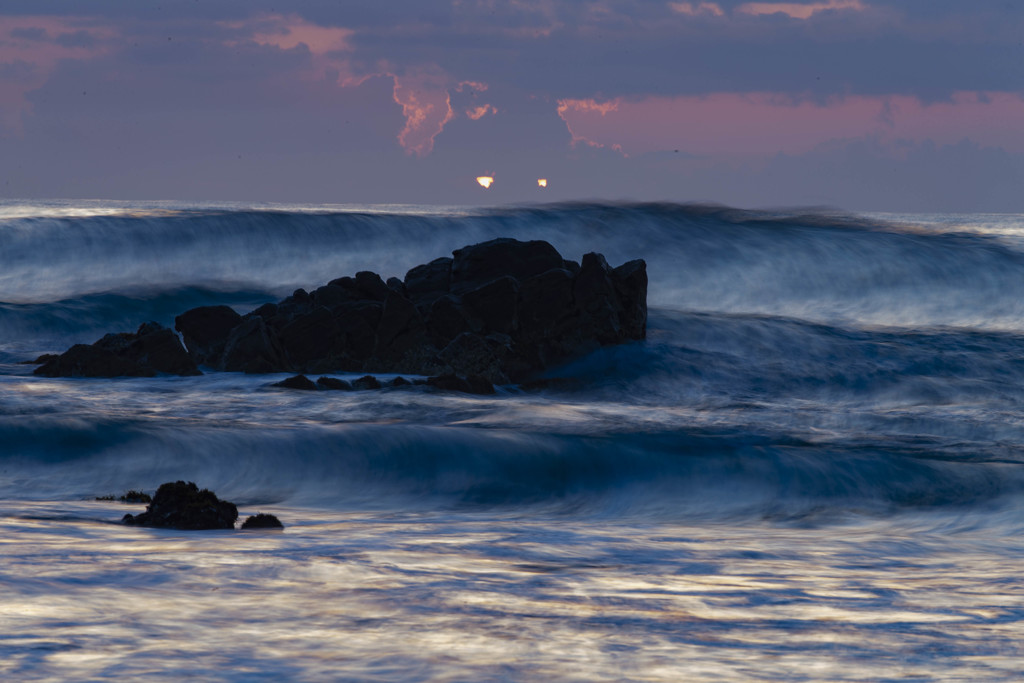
(542,182)
(485,181)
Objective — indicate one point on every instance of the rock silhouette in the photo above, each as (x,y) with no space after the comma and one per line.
(262,520)
(152,349)
(501,310)
(183,505)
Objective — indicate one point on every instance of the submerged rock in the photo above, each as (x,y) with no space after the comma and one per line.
(262,521)
(152,349)
(334,384)
(297,382)
(183,505)
(366,382)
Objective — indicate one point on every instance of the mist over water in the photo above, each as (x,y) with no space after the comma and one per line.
(823,426)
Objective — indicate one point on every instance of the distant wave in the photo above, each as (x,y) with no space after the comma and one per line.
(815,265)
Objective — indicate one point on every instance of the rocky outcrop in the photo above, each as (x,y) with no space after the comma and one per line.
(151,350)
(183,505)
(500,310)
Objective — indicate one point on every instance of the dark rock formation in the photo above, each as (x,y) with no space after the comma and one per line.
(366,382)
(181,505)
(152,349)
(262,521)
(502,310)
(206,330)
(297,382)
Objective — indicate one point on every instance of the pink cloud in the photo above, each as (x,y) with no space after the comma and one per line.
(583,110)
(477,113)
(423,93)
(427,108)
(326,44)
(796,10)
(425,97)
(764,124)
(695,9)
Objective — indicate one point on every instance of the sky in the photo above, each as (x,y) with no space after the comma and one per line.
(872,105)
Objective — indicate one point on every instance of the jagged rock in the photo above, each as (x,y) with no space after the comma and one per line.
(309,337)
(262,521)
(631,285)
(206,330)
(503,309)
(333,384)
(494,307)
(472,354)
(396,285)
(399,318)
(136,497)
(182,505)
(399,382)
(429,281)
(366,382)
(250,348)
(478,264)
(296,382)
(150,350)
(446,320)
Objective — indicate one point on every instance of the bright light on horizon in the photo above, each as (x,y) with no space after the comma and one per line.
(485,181)
(542,182)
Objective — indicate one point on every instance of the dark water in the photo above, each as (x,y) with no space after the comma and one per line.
(811,470)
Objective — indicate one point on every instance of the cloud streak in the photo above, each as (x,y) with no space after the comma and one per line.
(796,10)
(763,124)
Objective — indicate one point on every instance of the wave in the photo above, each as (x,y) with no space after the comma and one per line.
(817,266)
(682,474)
(33,328)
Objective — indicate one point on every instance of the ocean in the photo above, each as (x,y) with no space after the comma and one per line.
(810,470)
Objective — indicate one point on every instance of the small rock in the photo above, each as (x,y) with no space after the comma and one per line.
(182,505)
(333,383)
(296,382)
(136,497)
(262,521)
(366,382)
